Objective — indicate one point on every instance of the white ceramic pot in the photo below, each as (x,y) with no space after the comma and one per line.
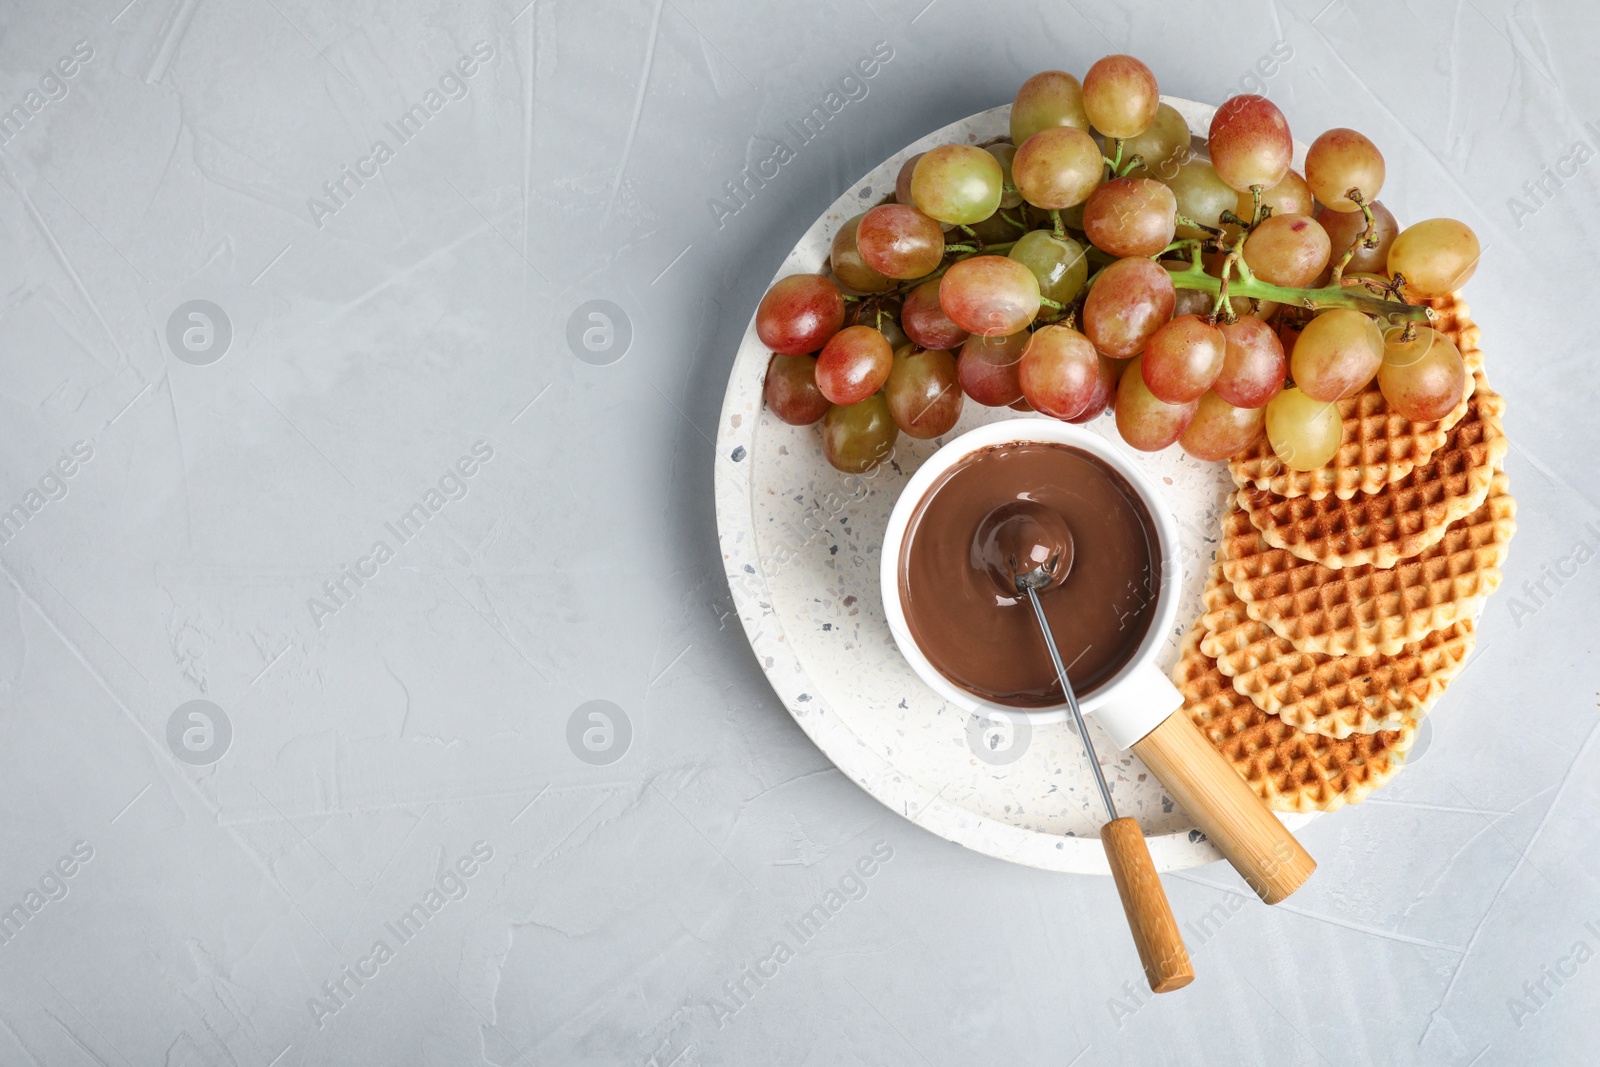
(1139,696)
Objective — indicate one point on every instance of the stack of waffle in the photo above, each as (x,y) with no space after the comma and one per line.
(1343,600)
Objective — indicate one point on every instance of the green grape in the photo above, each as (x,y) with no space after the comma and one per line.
(849,269)
(1436,256)
(1049,98)
(1162,148)
(1304,433)
(1201,196)
(957,183)
(1058,263)
(856,438)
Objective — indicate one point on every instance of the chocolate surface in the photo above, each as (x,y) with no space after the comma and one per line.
(987,642)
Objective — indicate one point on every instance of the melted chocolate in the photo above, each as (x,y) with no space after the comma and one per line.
(988,643)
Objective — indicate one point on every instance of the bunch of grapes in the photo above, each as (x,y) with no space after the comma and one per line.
(1096,260)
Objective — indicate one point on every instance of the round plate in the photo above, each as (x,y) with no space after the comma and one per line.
(801,546)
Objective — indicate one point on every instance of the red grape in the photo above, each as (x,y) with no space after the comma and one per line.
(1131,217)
(1049,98)
(988,368)
(1253,365)
(924,396)
(900,242)
(1287,250)
(1220,430)
(1344,228)
(1337,354)
(858,437)
(1424,378)
(854,364)
(1059,372)
(1128,303)
(799,313)
(1182,359)
(1120,96)
(1145,422)
(957,183)
(925,321)
(1057,167)
(989,294)
(791,389)
(1341,160)
(1250,142)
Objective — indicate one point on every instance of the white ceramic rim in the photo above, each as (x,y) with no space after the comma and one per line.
(1019,431)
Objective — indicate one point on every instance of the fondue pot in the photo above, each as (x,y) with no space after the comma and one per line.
(1138,707)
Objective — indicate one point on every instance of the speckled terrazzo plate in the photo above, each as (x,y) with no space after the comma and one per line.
(800,543)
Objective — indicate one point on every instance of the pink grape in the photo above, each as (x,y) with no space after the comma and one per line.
(1424,378)
(1220,429)
(1287,250)
(900,242)
(1127,304)
(1253,364)
(1049,98)
(799,313)
(1344,228)
(1182,359)
(924,396)
(1057,167)
(1341,160)
(1291,196)
(1060,371)
(989,295)
(1145,421)
(1131,217)
(1250,142)
(1337,354)
(1121,96)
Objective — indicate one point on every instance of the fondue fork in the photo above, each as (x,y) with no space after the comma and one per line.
(1150,918)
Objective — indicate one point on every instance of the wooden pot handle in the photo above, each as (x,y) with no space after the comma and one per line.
(1225,807)
(1155,931)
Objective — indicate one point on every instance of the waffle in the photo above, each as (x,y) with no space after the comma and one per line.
(1290,769)
(1401,519)
(1379,446)
(1356,611)
(1327,695)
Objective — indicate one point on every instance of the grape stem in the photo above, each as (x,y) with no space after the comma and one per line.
(1184,220)
(1368,238)
(1056,225)
(1332,296)
(970,232)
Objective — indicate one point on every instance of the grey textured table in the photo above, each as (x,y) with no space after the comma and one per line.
(383,838)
